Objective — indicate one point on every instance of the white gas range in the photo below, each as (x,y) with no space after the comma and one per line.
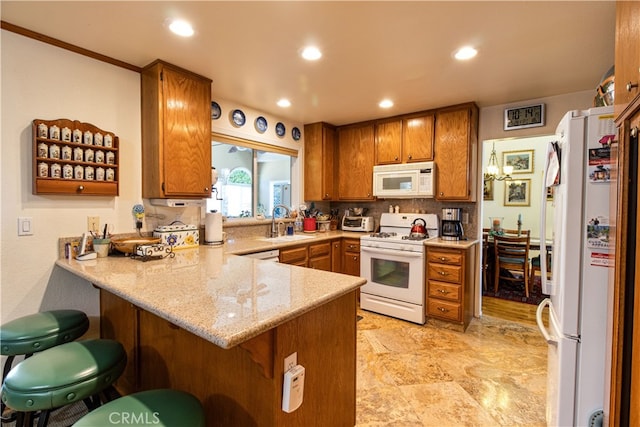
(393,265)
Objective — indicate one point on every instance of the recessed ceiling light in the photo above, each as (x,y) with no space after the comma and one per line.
(311,53)
(181,28)
(386,103)
(284,103)
(466,52)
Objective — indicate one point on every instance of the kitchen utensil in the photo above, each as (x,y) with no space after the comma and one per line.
(417,230)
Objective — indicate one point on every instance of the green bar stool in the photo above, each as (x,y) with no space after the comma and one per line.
(79,370)
(163,408)
(37,332)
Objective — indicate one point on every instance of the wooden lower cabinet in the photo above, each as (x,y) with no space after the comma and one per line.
(320,256)
(351,256)
(294,256)
(449,273)
(242,386)
(119,321)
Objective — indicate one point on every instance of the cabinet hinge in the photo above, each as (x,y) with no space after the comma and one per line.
(163,187)
(161,75)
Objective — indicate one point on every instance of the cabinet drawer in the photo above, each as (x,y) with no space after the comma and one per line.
(443,290)
(318,249)
(351,245)
(288,256)
(443,272)
(444,257)
(443,309)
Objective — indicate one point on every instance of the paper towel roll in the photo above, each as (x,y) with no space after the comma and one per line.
(213,228)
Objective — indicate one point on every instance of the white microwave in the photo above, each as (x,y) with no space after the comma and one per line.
(403,181)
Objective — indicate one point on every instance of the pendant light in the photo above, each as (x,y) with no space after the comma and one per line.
(493,168)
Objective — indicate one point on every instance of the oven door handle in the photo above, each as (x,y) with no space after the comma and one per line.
(391,252)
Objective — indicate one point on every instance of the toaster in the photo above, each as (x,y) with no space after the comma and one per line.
(357,223)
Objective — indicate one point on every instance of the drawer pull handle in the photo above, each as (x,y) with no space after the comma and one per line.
(442,273)
(631,86)
(444,259)
(442,291)
(442,309)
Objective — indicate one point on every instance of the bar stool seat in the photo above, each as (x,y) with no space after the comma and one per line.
(163,407)
(40,331)
(64,374)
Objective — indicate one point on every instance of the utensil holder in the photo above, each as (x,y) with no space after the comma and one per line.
(309,225)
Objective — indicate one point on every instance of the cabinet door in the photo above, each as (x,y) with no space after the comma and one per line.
(455,154)
(355,166)
(187,135)
(119,321)
(627,55)
(389,142)
(336,256)
(176,132)
(417,138)
(319,152)
(322,262)
(294,256)
(351,257)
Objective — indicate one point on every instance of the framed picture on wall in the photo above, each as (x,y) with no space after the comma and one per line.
(522,161)
(517,193)
(488,190)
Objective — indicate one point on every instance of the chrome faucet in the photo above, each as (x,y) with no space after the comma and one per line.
(275,232)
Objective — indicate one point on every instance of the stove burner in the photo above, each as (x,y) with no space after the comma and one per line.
(383,235)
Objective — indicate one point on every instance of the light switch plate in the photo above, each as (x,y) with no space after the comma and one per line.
(25,226)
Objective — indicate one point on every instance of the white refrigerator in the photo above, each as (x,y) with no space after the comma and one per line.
(576,183)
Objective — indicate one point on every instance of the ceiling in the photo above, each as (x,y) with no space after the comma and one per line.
(371,50)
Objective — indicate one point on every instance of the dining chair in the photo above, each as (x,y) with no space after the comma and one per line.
(511,254)
(535,266)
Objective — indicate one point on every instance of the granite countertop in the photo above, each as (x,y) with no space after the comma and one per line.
(223,298)
(455,244)
(259,244)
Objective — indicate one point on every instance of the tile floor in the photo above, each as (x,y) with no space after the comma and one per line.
(493,374)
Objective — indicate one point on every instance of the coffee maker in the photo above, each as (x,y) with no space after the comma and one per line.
(451,224)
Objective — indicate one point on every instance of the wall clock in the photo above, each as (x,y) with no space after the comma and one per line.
(524,117)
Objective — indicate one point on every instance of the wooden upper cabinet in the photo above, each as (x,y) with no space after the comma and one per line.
(319,153)
(417,137)
(456,142)
(627,54)
(355,162)
(388,142)
(405,139)
(176,132)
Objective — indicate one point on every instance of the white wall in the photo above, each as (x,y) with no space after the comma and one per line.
(40,81)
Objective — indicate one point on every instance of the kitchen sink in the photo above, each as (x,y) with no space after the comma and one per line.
(288,238)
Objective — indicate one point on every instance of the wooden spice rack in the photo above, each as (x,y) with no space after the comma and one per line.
(93,173)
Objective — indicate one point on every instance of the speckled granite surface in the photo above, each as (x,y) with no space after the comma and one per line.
(455,244)
(223,298)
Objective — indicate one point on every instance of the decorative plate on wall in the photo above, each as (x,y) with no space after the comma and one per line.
(295,133)
(238,118)
(280,129)
(261,124)
(216,111)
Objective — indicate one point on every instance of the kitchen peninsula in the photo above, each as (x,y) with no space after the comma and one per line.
(220,326)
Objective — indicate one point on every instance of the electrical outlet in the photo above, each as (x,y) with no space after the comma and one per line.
(93,224)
